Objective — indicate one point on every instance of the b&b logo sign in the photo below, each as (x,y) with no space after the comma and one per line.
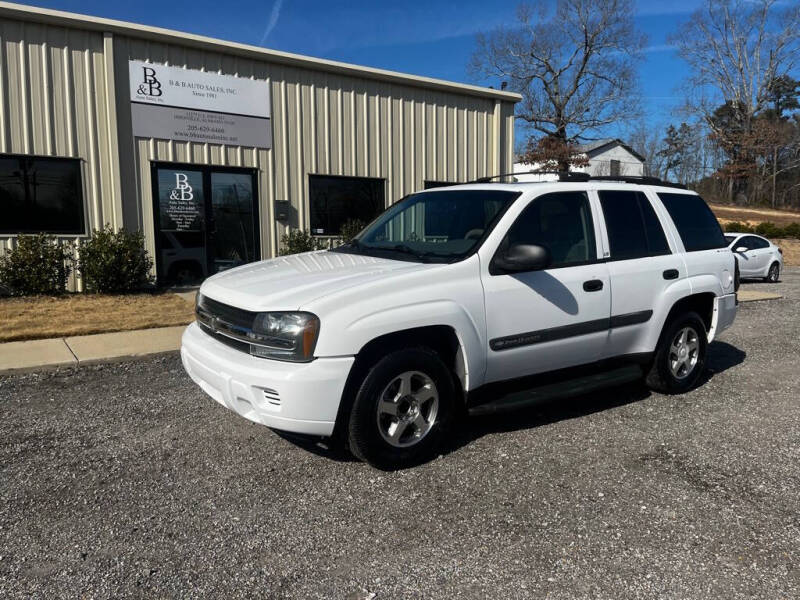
(182,189)
(150,86)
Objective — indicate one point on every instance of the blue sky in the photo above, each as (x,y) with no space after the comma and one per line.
(431,37)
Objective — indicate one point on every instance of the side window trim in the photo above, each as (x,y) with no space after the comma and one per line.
(642,197)
(674,240)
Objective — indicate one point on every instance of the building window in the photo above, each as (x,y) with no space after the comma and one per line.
(615,168)
(336,200)
(429,185)
(39,194)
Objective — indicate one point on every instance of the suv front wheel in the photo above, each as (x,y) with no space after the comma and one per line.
(402,410)
(680,357)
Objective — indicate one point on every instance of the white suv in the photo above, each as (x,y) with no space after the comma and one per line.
(478,297)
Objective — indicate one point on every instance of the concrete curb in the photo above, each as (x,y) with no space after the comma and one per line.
(756,296)
(73,352)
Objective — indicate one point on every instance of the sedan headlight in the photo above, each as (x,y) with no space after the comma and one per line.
(284,335)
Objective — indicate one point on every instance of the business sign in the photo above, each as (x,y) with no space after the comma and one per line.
(189,105)
(200,126)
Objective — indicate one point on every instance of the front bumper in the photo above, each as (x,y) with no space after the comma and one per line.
(297,397)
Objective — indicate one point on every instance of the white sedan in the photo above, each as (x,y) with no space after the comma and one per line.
(757,256)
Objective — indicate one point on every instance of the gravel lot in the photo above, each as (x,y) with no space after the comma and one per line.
(126,481)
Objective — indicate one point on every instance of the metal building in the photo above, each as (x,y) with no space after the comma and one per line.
(211,148)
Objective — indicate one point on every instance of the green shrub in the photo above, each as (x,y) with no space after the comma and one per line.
(350,229)
(297,240)
(769,230)
(737,227)
(114,261)
(792,230)
(38,265)
(766,228)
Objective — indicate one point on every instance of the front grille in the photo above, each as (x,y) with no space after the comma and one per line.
(225,323)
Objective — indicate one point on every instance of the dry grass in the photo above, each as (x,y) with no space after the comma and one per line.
(40,317)
(791,252)
(754,216)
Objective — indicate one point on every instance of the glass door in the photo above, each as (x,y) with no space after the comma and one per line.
(233,224)
(181,220)
(206,221)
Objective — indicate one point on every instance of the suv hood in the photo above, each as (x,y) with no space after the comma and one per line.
(290,282)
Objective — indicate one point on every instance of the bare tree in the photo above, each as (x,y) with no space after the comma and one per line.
(648,140)
(573,61)
(737,49)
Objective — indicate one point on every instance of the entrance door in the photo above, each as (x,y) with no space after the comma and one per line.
(206,221)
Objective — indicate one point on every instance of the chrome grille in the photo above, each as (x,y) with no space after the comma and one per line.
(230,325)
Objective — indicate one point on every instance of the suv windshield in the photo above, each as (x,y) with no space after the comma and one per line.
(433,226)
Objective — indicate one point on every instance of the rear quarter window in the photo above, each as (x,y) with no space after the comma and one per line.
(696,224)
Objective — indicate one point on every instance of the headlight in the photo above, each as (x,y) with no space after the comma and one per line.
(284,335)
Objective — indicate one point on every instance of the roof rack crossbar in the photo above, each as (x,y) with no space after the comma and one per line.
(578,176)
(562,175)
(640,179)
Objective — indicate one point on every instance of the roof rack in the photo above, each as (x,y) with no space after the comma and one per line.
(577,176)
(562,175)
(640,179)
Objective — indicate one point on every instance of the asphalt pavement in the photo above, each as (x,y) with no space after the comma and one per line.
(125,480)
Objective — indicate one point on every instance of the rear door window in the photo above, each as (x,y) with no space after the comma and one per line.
(696,224)
(634,230)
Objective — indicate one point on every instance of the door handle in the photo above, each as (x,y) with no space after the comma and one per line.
(593,285)
(671,274)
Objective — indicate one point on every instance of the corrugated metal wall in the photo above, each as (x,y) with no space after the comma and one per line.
(65,93)
(55,102)
(325,123)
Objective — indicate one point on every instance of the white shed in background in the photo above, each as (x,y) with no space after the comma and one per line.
(606,157)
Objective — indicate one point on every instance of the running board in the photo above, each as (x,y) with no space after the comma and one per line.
(562,389)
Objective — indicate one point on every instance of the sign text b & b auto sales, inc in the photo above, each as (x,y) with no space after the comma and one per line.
(189,105)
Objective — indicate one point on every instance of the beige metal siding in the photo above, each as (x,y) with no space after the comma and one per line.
(55,102)
(64,92)
(325,123)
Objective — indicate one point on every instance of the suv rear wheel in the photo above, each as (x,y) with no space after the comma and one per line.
(402,410)
(680,358)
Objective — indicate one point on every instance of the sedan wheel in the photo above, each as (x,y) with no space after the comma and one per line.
(774,273)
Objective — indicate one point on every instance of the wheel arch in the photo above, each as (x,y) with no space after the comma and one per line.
(702,303)
(442,339)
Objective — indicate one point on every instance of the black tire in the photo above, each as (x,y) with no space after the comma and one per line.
(774,273)
(661,377)
(365,437)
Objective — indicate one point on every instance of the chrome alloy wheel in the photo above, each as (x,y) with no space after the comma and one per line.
(407,409)
(774,273)
(683,353)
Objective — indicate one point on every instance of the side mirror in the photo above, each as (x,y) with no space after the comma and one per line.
(741,249)
(522,257)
